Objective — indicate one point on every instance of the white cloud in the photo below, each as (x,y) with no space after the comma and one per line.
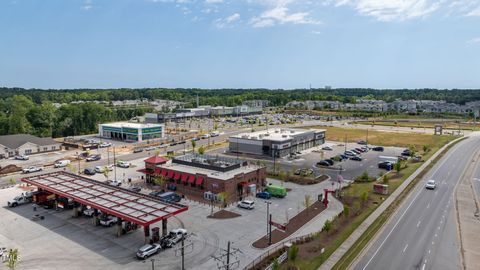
(213,1)
(474,41)
(280,15)
(475,12)
(227,21)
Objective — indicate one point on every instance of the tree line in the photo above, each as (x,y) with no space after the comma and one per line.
(20,114)
(233,97)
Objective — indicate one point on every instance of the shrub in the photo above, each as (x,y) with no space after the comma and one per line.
(293,252)
(364,177)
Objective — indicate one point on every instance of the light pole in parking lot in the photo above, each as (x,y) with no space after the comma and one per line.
(153,263)
(269,232)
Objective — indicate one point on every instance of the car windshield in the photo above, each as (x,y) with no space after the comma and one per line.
(431,182)
(145,248)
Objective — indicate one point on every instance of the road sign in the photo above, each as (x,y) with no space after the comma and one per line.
(278,225)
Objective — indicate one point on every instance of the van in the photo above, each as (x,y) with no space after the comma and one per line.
(170,196)
(61,163)
(276,191)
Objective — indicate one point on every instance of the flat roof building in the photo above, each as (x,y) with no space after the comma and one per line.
(276,142)
(134,132)
(206,176)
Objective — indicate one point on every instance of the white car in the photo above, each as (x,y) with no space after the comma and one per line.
(246,204)
(108,221)
(32,169)
(22,157)
(123,164)
(19,200)
(101,169)
(61,163)
(176,235)
(430,184)
(148,250)
(115,183)
(105,144)
(205,136)
(151,148)
(328,148)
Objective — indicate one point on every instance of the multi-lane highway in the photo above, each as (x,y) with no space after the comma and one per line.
(423,233)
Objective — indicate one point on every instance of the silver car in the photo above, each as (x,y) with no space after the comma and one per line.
(148,250)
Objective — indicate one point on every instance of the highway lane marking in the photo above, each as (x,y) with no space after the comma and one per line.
(405,248)
(418,224)
(429,251)
(433,243)
(428,205)
(423,267)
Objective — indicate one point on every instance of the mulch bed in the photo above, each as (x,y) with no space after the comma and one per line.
(224,214)
(307,180)
(293,225)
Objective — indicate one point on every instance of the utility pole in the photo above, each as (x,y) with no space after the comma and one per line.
(224,261)
(268,215)
(270,230)
(345,142)
(182,250)
(114,165)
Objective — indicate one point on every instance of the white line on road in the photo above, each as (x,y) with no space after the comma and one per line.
(418,224)
(429,251)
(405,248)
(433,243)
(428,205)
(423,267)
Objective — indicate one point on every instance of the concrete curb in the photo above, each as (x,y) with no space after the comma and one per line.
(358,232)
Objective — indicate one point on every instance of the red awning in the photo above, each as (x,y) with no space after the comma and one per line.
(191,179)
(184,177)
(156,160)
(158,171)
(164,172)
(243,183)
(177,176)
(145,171)
(199,181)
(170,174)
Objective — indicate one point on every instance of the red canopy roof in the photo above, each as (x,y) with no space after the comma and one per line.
(184,177)
(156,160)
(199,181)
(164,172)
(191,179)
(170,174)
(145,171)
(177,176)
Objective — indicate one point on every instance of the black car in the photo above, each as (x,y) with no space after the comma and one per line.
(155,193)
(173,144)
(378,148)
(406,152)
(385,165)
(89,171)
(330,161)
(323,163)
(356,158)
(362,142)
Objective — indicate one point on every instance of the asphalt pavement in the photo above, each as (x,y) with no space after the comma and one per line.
(423,233)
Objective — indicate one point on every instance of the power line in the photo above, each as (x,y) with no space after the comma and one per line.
(225,260)
(182,250)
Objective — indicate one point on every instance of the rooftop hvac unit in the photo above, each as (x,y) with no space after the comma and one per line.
(284,136)
(260,136)
(245,136)
(292,131)
(267,134)
(277,131)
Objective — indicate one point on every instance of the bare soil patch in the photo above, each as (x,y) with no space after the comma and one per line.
(224,214)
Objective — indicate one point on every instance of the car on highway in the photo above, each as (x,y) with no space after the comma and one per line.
(94,157)
(148,250)
(328,148)
(137,150)
(246,204)
(123,164)
(378,148)
(263,195)
(195,139)
(101,169)
(32,169)
(108,221)
(89,171)
(215,134)
(431,184)
(150,148)
(356,158)
(22,157)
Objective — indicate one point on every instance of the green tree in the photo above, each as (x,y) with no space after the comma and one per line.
(426,148)
(364,197)
(275,265)
(346,210)
(42,119)
(398,166)
(413,150)
(17,121)
(293,252)
(12,258)
(201,150)
(194,143)
(385,179)
(327,227)
(159,180)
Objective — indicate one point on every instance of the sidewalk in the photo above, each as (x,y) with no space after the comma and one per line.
(347,244)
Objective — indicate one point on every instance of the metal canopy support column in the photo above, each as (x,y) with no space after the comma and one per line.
(164,227)
(119,227)
(146,230)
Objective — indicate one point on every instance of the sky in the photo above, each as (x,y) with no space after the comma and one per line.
(240,44)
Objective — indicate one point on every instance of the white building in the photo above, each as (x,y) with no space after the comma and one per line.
(133,132)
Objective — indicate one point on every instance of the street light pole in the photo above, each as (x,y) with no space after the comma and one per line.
(268,221)
(153,263)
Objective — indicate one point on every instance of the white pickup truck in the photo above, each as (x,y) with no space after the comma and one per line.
(23,199)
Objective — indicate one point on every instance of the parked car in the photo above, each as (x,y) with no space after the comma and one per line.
(89,212)
(148,250)
(378,148)
(330,161)
(151,148)
(417,158)
(108,221)
(406,152)
(356,158)
(22,157)
(356,151)
(263,195)
(19,200)
(61,163)
(205,136)
(385,165)
(350,153)
(360,150)
(115,183)
(170,196)
(362,142)
(195,139)
(135,188)
(32,169)
(89,171)
(328,148)
(101,169)
(246,204)
(123,164)
(323,163)
(105,144)
(342,156)
(137,150)
(276,191)
(215,134)
(430,184)
(155,193)
(94,157)
(176,235)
